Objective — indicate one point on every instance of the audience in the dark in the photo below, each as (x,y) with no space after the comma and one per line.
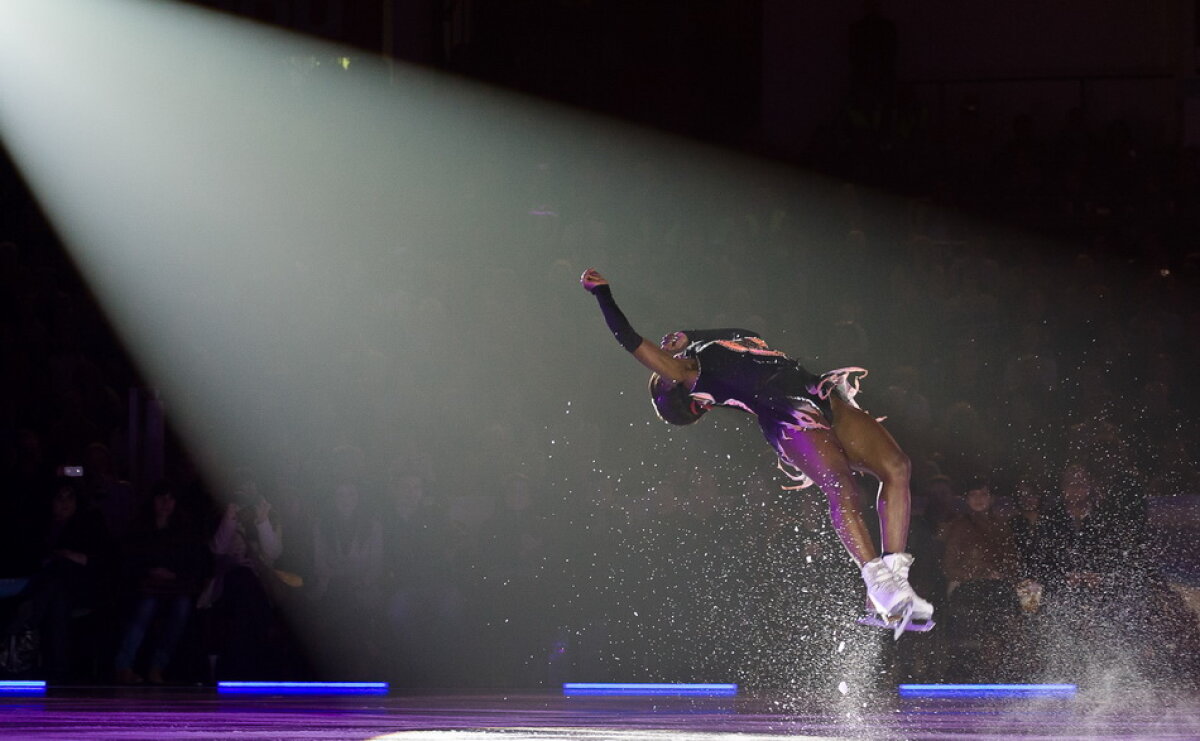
(69,572)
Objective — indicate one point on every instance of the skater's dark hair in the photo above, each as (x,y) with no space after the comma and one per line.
(672,402)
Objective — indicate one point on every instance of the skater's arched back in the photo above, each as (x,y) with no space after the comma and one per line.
(812,421)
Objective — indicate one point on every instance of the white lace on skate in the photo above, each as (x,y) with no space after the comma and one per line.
(900,563)
(884,589)
(893,599)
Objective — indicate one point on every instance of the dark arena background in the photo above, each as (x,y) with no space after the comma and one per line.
(300,385)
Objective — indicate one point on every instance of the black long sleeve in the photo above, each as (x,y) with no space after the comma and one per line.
(617,323)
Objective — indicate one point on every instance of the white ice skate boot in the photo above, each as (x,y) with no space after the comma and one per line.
(922,610)
(891,597)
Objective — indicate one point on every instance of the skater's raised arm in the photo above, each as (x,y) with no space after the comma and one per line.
(655,358)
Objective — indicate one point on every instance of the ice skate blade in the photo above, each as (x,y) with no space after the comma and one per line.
(898,622)
(905,619)
(915,625)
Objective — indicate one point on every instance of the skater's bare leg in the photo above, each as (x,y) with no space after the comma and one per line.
(871,448)
(820,456)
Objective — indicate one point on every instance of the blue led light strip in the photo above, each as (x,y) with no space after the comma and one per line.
(14,685)
(303,688)
(985,690)
(647,688)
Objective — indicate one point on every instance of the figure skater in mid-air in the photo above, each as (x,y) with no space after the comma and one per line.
(820,434)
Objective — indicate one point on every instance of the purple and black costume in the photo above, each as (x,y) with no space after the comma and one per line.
(738,369)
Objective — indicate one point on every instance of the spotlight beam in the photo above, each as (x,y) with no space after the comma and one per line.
(229,203)
(300,254)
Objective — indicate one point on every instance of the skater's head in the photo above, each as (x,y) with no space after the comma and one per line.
(673,403)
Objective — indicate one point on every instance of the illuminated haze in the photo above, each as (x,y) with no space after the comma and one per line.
(304,248)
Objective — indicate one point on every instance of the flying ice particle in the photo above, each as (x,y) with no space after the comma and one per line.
(841,648)
(843,687)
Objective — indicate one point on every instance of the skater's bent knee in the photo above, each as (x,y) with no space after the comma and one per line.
(897,467)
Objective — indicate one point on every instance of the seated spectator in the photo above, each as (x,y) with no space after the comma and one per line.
(348,546)
(981,567)
(940,506)
(164,564)
(347,569)
(1028,525)
(1080,537)
(245,545)
(413,529)
(73,546)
